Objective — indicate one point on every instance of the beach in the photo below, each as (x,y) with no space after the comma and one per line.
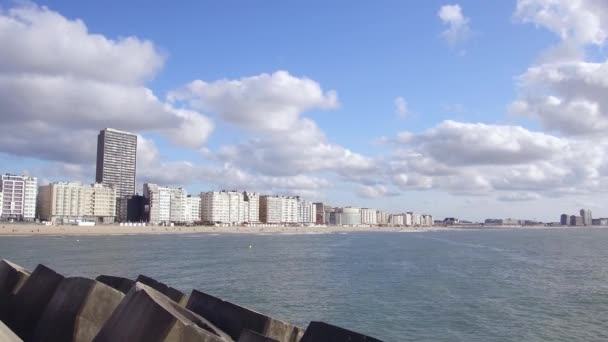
(20,229)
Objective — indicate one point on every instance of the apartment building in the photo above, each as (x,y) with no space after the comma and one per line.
(18,197)
(71,202)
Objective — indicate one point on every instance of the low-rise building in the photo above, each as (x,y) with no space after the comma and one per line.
(71,202)
(348,216)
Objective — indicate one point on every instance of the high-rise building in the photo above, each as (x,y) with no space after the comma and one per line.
(18,197)
(67,202)
(278,209)
(230,207)
(563,220)
(116,160)
(396,220)
(192,209)
(586,215)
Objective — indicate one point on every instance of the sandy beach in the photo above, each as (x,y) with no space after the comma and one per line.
(18,229)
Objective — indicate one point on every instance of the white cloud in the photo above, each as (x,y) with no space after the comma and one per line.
(458,29)
(269,102)
(569,97)
(60,84)
(375,191)
(577,21)
(401,107)
(519,197)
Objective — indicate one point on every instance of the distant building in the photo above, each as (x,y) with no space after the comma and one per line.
(320,213)
(307,212)
(71,202)
(158,204)
(279,209)
(381,217)
(348,216)
(427,220)
(253,206)
(192,209)
(116,160)
(18,197)
(369,216)
(396,220)
(563,220)
(450,221)
(330,215)
(576,220)
(600,222)
(408,219)
(227,207)
(586,215)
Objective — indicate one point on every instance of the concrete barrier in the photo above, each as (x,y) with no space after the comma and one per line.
(7,335)
(146,315)
(12,278)
(323,332)
(233,319)
(250,336)
(175,294)
(77,311)
(31,300)
(121,284)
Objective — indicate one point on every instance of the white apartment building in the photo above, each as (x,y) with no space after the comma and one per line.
(408,219)
(177,205)
(307,212)
(71,202)
(192,209)
(396,220)
(18,197)
(416,219)
(427,220)
(381,217)
(253,206)
(231,207)
(158,207)
(1,202)
(369,216)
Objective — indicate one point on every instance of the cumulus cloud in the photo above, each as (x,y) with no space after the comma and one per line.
(478,159)
(271,102)
(519,197)
(458,29)
(61,84)
(579,21)
(375,191)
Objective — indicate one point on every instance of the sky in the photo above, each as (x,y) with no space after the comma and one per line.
(470,109)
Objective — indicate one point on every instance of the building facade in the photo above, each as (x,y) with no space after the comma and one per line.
(18,197)
(230,207)
(192,209)
(563,220)
(348,216)
(320,213)
(253,206)
(72,202)
(381,217)
(116,160)
(576,220)
(586,215)
(369,216)
(307,212)
(158,203)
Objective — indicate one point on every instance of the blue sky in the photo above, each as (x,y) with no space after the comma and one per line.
(368,53)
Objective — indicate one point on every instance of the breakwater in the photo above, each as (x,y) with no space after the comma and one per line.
(43,305)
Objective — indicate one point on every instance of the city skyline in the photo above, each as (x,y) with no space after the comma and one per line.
(466,109)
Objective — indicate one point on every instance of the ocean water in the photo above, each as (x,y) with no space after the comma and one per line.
(495,285)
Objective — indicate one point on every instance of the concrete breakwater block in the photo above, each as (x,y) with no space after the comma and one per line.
(121,284)
(175,294)
(7,335)
(234,319)
(31,300)
(77,311)
(12,278)
(323,332)
(146,315)
(250,336)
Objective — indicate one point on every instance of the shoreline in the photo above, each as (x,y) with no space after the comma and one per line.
(19,229)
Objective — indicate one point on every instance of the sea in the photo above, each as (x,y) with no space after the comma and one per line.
(470,285)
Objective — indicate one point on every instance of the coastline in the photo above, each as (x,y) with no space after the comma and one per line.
(20,229)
